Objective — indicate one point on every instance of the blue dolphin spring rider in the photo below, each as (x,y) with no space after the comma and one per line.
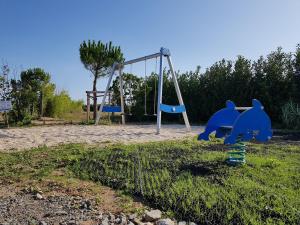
(252,124)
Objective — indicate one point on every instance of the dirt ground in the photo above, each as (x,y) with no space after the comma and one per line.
(69,201)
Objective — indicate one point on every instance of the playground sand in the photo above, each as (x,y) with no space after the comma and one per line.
(16,139)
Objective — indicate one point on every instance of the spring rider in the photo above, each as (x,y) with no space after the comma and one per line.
(239,127)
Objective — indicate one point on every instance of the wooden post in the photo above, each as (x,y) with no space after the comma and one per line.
(41,104)
(88,105)
(6,118)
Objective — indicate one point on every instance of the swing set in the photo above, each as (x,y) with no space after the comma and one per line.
(159,106)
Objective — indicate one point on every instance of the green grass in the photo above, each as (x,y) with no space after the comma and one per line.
(187,179)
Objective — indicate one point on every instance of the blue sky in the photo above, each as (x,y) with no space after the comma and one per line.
(47,34)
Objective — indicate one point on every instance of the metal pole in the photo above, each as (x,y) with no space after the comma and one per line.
(105,94)
(121,96)
(109,103)
(142,58)
(186,120)
(160,90)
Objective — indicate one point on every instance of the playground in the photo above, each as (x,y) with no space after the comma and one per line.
(232,170)
(150,112)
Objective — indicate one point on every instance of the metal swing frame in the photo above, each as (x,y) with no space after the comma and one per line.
(164,52)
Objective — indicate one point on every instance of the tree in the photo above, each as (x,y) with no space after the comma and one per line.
(297,74)
(98,58)
(35,84)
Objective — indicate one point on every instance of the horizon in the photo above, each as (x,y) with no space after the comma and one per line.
(48,35)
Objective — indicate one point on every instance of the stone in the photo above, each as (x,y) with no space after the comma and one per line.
(61,213)
(130,223)
(38,196)
(72,222)
(192,223)
(152,215)
(42,223)
(111,217)
(121,220)
(165,222)
(86,205)
(105,221)
(132,216)
(181,223)
(136,221)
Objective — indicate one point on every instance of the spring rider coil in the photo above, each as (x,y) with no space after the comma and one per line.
(237,128)
(236,153)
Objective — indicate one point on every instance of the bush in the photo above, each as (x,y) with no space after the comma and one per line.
(291,115)
(27,118)
(61,104)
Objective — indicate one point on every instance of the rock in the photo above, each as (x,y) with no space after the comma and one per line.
(38,196)
(61,213)
(118,221)
(86,205)
(130,223)
(121,220)
(152,215)
(165,222)
(136,221)
(42,223)
(111,217)
(132,216)
(99,216)
(32,221)
(192,223)
(181,223)
(105,221)
(72,222)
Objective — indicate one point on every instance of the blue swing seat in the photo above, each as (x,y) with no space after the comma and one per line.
(172,108)
(111,109)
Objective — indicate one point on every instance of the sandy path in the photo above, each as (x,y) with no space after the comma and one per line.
(24,138)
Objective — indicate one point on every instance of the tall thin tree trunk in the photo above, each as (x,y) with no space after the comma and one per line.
(95,97)
(41,105)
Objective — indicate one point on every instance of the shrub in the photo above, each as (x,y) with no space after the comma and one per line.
(61,104)
(291,115)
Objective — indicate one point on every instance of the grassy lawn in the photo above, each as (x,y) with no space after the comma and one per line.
(187,179)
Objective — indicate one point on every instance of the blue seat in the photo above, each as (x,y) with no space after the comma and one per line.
(111,109)
(172,108)
(253,123)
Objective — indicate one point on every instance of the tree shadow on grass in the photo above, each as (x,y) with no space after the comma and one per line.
(226,148)
(206,168)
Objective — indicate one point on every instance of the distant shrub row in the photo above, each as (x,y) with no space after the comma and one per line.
(274,80)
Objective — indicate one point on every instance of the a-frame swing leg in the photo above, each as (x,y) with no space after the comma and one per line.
(121,96)
(186,120)
(160,90)
(105,94)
